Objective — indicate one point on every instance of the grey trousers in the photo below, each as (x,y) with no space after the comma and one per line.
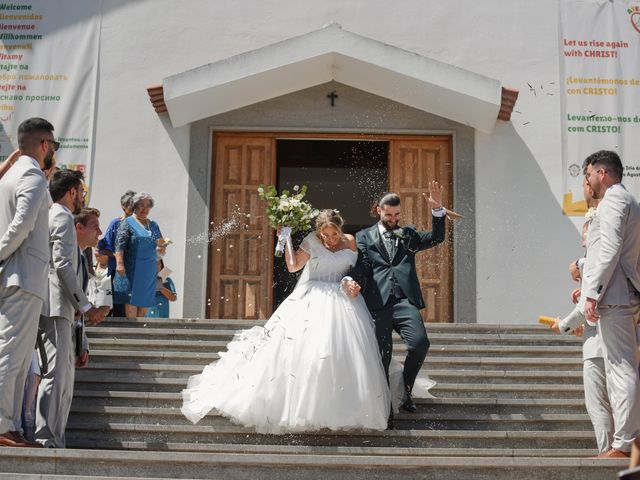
(617,330)
(56,387)
(597,401)
(19,311)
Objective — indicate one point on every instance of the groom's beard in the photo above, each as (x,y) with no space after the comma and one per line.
(389,226)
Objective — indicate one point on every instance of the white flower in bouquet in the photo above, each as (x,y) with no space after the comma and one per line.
(288,211)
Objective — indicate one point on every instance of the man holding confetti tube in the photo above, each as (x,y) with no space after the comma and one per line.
(594,375)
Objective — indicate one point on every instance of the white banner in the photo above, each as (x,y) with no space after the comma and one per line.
(600,74)
(48,69)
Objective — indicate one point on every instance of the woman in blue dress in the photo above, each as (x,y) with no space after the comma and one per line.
(139,245)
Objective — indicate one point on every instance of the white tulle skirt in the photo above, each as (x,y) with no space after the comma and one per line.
(315,364)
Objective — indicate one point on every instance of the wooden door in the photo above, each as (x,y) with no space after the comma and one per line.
(413,163)
(241,263)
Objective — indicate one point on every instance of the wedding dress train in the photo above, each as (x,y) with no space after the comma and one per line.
(315,364)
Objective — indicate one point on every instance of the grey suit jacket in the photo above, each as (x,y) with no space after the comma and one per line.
(24,231)
(617,223)
(66,295)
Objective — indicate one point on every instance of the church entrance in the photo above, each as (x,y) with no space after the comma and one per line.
(343,171)
(343,174)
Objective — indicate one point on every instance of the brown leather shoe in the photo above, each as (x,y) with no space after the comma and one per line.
(614,453)
(14,439)
(26,442)
(8,439)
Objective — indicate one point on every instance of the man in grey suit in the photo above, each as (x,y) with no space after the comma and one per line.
(66,297)
(593,372)
(611,290)
(24,258)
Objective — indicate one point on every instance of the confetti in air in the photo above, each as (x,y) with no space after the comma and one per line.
(226,227)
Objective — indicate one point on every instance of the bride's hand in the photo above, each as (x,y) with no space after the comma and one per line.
(352,288)
(435,195)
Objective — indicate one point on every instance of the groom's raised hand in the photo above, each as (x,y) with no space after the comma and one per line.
(434,199)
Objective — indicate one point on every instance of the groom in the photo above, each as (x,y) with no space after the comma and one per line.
(386,271)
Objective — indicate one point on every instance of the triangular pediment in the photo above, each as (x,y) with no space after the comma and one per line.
(333,54)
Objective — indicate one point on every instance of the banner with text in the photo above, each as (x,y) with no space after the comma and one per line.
(48,68)
(600,74)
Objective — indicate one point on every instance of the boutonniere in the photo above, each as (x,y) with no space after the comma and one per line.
(405,236)
(397,233)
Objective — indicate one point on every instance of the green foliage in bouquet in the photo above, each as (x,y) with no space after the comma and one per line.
(288,209)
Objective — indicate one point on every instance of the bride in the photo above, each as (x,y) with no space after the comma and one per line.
(316,362)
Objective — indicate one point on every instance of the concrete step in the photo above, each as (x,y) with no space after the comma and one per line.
(239,324)
(200,359)
(227,334)
(126,464)
(86,380)
(457,333)
(443,420)
(46,476)
(159,357)
(530,406)
(441,375)
(337,450)
(510,390)
(164,346)
(186,323)
(158,433)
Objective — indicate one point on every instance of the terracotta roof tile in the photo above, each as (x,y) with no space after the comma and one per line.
(509,97)
(156,96)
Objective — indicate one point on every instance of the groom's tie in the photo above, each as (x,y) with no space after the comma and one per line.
(389,244)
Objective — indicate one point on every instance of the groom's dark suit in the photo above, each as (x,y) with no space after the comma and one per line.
(391,290)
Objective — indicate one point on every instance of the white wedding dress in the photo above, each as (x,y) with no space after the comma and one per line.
(315,364)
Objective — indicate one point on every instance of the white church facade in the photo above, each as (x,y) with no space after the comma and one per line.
(199,102)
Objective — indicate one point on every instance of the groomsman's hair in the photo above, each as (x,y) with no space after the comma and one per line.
(608,160)
(85,214)
(62,181)
(28,130)
(387,198)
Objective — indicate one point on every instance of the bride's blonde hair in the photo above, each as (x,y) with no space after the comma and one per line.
(329,218)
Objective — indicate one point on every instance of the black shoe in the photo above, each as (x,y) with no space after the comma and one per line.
(408,405)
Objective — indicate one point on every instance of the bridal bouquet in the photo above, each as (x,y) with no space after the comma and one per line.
(289,212)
